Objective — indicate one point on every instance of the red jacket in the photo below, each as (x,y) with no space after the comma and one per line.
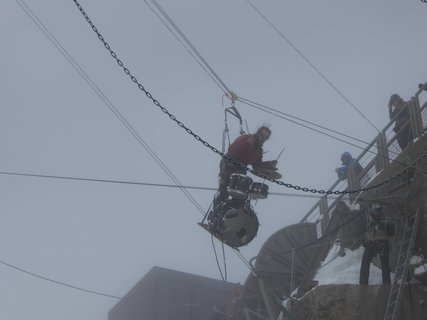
(245,150)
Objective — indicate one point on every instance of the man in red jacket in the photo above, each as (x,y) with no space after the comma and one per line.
(246,150)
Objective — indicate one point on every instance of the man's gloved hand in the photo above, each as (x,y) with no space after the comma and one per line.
(268,169)
(265,165)
(271,163)
(271,174)
(268,165)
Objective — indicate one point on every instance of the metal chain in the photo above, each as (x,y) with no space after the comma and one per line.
(206,144)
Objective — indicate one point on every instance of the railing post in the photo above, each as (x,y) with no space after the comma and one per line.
(353,183)
(382,160)
(323,208)
(415,117)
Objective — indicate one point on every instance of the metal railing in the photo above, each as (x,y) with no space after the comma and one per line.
(376,157)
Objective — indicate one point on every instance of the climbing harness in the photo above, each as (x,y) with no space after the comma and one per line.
(233,221)
(234,112)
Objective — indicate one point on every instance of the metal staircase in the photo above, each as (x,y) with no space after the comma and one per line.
(401,272)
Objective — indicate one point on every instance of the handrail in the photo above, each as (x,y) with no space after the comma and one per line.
(372,162)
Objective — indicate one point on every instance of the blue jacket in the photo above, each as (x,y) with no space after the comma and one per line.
(348,161)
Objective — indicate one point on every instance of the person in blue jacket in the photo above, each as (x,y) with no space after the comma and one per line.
(347,161)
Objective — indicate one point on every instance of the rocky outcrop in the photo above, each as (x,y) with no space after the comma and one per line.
(358,302)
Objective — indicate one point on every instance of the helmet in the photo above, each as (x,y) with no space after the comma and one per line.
(346,155)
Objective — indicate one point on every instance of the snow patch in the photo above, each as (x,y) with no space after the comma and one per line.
(345,270)
(421,269)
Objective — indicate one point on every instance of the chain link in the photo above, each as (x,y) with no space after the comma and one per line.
(206,144)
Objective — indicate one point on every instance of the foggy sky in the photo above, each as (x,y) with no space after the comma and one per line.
(105,237)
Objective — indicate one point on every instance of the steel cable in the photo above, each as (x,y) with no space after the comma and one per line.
(206,144)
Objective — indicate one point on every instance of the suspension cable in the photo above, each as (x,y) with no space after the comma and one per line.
(224,260)
(281,115)
(115,111)
(263,108)
(311,64)
(218,83)
(34,175)
(106,101)
(206,144)
(203,63)
(178,31)
(59,282)
(216,258)
(207,67)
(266,109)
(98,293)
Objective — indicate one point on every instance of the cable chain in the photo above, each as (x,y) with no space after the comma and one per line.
(206,144)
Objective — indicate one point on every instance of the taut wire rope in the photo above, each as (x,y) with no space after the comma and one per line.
(209,70)
(204,67)
(311,64)
(189,43)
(281,115)
(206,144)
(105,99)
(59,282)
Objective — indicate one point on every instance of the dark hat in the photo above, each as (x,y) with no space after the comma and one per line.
(393,98)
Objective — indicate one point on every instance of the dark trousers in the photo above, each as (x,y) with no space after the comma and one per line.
(221,199)
(372,248)
(404,135)
(226,169)
(222,194)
